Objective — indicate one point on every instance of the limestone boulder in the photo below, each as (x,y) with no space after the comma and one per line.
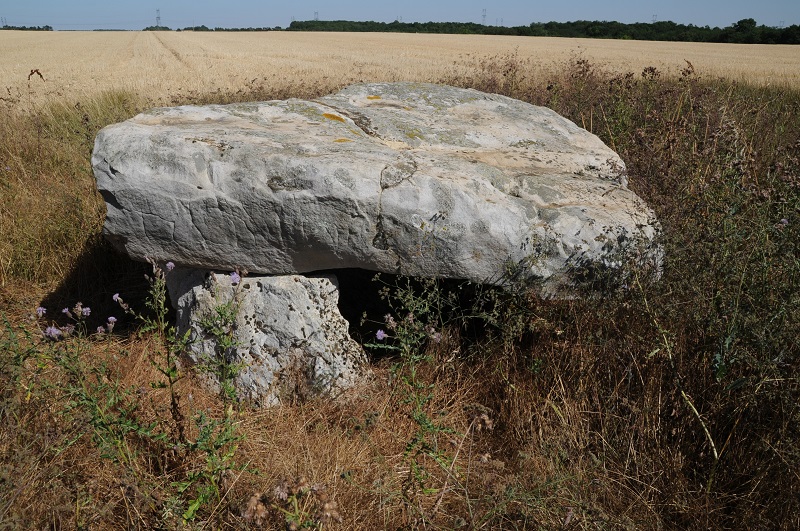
(288,341)
(407,178)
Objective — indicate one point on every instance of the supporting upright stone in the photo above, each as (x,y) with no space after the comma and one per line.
(289,340)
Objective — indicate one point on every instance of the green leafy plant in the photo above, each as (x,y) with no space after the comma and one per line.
(220,324)
(216,440)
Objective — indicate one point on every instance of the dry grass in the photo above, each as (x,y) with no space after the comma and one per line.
(168,66)
(588,407)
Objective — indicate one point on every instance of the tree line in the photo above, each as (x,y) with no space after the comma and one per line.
(26,28)
(744,31)
(206,28)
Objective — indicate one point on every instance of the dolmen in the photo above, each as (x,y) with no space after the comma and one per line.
(404,178)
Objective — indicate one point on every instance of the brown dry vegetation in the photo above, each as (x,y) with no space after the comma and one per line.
(673,405)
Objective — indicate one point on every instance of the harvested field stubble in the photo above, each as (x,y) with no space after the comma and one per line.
(671,405)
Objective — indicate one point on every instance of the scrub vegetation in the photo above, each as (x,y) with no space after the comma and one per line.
(656,405)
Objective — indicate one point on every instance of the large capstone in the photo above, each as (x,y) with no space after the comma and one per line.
(269,339)
(404,178)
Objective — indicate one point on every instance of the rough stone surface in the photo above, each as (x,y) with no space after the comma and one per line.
(407,178)
(291,341)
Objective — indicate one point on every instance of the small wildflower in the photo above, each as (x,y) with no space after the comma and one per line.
(86,311)
(68,330)
(101,330)
(40,311)
(116,298)
(381,335)
(112,320)
(51,332)
(390,322)
(170,266)
(235,278)
(437,337)
(66,312)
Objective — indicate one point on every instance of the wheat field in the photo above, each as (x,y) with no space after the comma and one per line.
(166,65)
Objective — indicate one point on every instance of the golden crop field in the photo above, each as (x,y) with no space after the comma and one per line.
(163,65)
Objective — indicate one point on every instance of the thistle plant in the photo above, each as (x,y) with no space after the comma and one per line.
(174,344)
(220,324)
(110,411)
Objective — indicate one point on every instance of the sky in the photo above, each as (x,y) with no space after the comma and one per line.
(135,15)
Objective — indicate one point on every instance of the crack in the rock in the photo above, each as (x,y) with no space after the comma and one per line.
(392,175)
(361,121)
(400,170)
(380,240)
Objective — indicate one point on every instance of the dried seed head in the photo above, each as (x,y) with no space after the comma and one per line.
(256,510)
(281,491)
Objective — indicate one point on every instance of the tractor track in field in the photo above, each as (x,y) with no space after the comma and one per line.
(171,51)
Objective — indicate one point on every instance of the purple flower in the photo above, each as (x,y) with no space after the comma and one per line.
(115,298)
(381,335)
(784,221)
(86,311)
(437,337)
(112,319)
(51,332)
(101,330)
(65,311)
(40,311)
(235,278)
(170,266)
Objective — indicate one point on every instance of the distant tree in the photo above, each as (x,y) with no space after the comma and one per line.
(790,35)
(746,30)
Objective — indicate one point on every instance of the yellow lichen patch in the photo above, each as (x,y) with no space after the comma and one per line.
(340,140)
(336,117)
(373,97)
